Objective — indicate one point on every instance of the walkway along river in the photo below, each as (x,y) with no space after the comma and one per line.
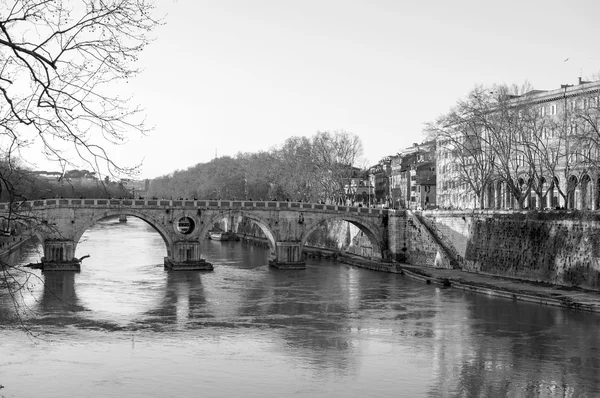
(125,327)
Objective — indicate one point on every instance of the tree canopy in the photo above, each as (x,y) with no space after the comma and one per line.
(59,65)
(301,169)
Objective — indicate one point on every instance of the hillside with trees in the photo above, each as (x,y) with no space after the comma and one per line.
(302,169)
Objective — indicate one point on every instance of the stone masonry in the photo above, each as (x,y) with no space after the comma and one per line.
(556,247)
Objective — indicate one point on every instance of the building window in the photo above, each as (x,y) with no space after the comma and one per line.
(573,129)
(553,109)
(543,111)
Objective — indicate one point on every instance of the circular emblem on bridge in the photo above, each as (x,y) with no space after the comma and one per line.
(185,225)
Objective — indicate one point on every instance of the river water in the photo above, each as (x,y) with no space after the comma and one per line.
(125,327)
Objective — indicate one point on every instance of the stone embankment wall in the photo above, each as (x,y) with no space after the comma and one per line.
(556,247)
(397,236)
(424,247)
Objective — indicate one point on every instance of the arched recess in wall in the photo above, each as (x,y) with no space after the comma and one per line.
(508,196)
(555,191)
(545,193)
(128,212)
(523,187)
(498,194)
(586,192)
(490,196)
(367,229)
(597,194)
(571,187)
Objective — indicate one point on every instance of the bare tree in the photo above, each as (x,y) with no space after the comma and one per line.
(296,172)
(509,131)
(462,137)
(335,155)
(59,65)
(60,62)
(586,119)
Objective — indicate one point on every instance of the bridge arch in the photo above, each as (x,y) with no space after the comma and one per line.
(369,229)
(262,223)
(158,227)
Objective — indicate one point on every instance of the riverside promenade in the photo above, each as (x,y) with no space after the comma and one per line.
(493,285)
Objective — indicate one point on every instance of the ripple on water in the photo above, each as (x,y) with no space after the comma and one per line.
(125,327)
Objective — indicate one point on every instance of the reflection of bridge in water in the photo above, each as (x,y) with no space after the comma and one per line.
(242,298)
(60,223)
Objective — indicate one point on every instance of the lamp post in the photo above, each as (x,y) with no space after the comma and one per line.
(566,136)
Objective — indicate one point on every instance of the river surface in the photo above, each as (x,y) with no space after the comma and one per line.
(125,327)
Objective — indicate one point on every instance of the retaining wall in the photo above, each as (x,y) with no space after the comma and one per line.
(556,247)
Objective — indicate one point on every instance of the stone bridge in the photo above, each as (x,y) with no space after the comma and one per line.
(60,223)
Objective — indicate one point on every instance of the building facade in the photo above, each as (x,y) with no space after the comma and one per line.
(412,182)
(548,157)
(380,179)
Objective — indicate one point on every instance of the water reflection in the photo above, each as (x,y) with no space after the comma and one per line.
(247,329)
(183,301)
(516,349)
(59,294)
(309,314)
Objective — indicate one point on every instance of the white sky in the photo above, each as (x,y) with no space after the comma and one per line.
(244,75)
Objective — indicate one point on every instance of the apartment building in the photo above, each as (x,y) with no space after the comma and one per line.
(537,150)
(413,177)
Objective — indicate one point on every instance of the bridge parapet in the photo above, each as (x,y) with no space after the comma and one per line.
(196,204)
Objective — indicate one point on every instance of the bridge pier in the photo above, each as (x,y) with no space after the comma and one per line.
(59,256)
(287,256)
(185,256)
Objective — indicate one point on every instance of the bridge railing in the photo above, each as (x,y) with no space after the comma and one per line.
(192,204)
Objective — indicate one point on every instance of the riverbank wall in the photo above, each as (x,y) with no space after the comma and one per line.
(558,247)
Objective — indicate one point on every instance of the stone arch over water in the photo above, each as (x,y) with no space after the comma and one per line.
(262,223)
(158,227)
(368,229)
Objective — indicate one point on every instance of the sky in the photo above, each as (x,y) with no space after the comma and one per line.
(230,76)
